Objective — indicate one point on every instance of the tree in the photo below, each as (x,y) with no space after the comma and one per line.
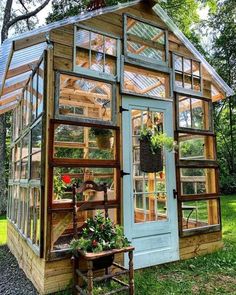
(223,24)
(20,19)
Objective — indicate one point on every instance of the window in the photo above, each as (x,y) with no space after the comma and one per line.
(187,73)
(81,151)
(194,113)
(79,142)
(35,158)
(196,147)
(145,82)
(96,52)
(196,181)
(144,41)
(25,157)
(84,98)
(200,215)
(37,91)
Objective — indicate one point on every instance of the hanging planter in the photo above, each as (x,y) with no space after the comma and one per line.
(152,142)
(103,138)
(149,161)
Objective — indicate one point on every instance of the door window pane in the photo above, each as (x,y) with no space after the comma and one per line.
(149,189)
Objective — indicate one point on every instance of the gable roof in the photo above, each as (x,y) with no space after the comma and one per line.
(10,59)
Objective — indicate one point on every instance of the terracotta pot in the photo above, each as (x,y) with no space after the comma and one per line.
(103,142)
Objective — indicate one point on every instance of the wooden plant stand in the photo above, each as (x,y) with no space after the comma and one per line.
(87,275)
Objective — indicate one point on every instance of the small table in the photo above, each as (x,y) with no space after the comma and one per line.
(88,275)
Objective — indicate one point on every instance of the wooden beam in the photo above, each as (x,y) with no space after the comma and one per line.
(145,42)
(21,69)
(77,103)
(84,93)
(9,99)
(7,109)
(155,38)
(14,87)
(29,41)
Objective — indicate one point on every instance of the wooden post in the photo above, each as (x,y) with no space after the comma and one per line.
(90,277)
(73,259)
(74,211)
(131,273)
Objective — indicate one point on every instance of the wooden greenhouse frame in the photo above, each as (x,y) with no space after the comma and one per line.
(112,71)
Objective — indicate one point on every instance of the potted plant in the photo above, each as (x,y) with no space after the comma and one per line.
(103,137)
(152,142)
(100,234)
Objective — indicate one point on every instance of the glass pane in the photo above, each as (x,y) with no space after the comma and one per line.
(97,61)
(178,63)
(150,197)
(81,97)
(178,79)
(196,147)
(196,84)
(40,87)
(36,151)
(198,214)
(63,178)
(187,66)
(145,40)
(145,82)
(194,113)
(34,216)
(36,137)
(197,181)
(82,38)
(62,226)
(24,168)
(97,42)
(187,81)
(79,142)
(110,46)
(196,68)
(82,58)
(34,96)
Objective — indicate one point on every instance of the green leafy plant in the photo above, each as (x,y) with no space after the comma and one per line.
(100,234)
(101,132)
(157,139)
(58,186)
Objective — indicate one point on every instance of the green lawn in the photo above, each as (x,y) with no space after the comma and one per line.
(210,274)
(3,229)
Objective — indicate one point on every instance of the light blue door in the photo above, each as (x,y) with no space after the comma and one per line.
(149,207)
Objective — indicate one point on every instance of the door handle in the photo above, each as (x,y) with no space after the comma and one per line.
(122,173)
(175,194)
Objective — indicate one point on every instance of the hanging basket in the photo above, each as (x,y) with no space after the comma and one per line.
(150,162)
(103,142)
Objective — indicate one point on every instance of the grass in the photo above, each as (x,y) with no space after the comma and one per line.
(3,230)
(210,274)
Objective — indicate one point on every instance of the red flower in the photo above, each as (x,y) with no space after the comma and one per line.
(66,179)
(94,243)
(161,175)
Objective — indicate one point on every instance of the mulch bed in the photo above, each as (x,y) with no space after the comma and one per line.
(13,280)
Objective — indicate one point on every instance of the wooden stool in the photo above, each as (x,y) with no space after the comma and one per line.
(92,261)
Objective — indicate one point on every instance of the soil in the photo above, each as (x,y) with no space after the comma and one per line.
(13,280)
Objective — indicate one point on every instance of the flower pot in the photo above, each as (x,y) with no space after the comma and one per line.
(150,162)
(103,142)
